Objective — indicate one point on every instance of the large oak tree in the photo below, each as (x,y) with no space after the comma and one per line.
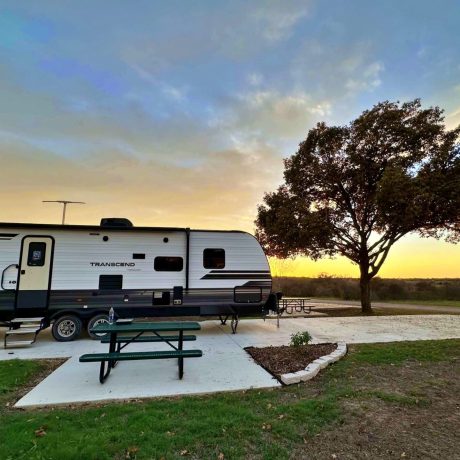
(356,190)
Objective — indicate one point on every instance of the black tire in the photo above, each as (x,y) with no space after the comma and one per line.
(67,328)
(102,318)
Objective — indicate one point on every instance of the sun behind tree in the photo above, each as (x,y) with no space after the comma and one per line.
(355,190)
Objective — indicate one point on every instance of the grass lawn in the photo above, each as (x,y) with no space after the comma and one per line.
(381,401)
(439,303)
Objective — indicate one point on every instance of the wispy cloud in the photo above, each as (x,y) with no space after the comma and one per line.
(276,19)
(368,78)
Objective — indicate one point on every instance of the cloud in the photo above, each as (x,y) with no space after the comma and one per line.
(276,19)
(147,155)
(232,30)
(174,115)
(368,80)
(453,119)
(271,116)
(337,70)
(255,79)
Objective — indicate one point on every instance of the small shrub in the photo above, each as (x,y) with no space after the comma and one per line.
(300,338)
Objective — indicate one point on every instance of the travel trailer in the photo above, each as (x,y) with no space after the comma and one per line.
(69,276)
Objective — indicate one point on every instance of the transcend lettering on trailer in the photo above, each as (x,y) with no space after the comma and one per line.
(112,264)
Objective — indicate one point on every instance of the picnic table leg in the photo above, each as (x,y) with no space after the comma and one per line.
(103,374)
(112,347)
(181,360)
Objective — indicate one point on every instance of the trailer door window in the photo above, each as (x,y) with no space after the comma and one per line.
(168,264)
(36,256)
(214,258)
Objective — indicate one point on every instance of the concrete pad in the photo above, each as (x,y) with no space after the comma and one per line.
(133,379)
(225,366)
(357,329)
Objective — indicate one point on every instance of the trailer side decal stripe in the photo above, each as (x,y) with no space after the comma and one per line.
(7,236)
(232,276)
(240,271)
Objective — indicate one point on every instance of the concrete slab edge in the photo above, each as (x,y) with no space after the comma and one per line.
(315,366)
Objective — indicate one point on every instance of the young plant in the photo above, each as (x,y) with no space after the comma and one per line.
(300,338)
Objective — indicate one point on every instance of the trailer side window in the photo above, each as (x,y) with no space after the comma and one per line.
(110,282)
(36,256)
(168,264)
(214,258)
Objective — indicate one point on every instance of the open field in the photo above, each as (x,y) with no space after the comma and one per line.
(338,308)
(440,303)
(394,400)
(428,303)
(443,292)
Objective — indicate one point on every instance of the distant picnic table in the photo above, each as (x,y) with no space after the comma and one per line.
(120,334)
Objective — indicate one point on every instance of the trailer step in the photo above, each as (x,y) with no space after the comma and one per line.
(20,327)
(27,320)
(22,331)
(20,343)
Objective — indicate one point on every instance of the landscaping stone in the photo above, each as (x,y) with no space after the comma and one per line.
(322,362)
(334,357)
(289,379)
(303,375)
(314,367)
(311,371)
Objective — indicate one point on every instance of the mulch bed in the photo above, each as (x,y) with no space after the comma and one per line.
(284,359)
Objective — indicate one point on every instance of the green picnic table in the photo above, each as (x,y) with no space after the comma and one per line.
(120,334)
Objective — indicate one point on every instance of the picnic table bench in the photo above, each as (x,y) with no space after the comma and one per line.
(137,330)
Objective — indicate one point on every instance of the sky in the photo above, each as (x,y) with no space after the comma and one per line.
(180,113)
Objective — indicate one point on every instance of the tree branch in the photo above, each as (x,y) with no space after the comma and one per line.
(346,251)
(346,197)
(384,253)
(344,236)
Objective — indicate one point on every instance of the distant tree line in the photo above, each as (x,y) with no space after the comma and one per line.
(382,289)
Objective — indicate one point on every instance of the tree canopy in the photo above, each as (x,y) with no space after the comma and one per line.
(355,190)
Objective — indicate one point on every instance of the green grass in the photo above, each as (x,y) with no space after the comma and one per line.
(400,352)
(234,424)
(400,400)
(266,424)
(16,373)
(439,303)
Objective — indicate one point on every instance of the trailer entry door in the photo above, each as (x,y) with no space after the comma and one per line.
(34,272)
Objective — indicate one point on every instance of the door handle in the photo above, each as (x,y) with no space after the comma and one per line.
(23,272)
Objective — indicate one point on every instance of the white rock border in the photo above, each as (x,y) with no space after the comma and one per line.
(314,367)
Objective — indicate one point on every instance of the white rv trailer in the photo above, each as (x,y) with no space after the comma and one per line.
(70,275)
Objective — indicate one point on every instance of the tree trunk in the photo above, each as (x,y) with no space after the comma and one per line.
(365,287)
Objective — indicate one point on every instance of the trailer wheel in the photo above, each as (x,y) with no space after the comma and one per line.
(94,321)
(66,328)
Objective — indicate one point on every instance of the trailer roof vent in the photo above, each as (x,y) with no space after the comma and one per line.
(116,222)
